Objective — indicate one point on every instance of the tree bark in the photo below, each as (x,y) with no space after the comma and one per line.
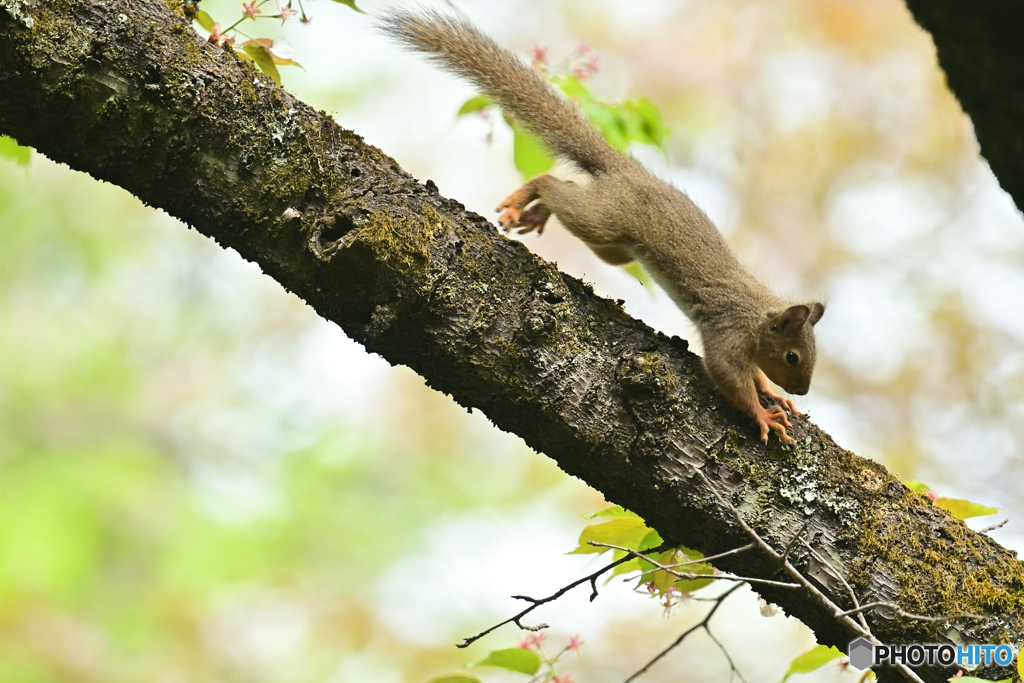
(126,91)
(978,46)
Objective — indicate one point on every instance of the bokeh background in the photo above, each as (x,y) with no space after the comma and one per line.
(202,481)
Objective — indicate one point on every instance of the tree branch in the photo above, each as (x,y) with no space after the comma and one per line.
(126,91)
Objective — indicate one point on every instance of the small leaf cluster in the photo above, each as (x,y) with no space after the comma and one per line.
(961,509)
(817,657)
(530,658)
(622,124)
(266,53)
(620,527)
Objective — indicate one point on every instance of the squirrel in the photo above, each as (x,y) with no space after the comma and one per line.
(625,213)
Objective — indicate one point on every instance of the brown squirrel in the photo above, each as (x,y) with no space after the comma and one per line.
(625,213)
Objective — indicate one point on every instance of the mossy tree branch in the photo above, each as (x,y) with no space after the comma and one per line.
(126,91)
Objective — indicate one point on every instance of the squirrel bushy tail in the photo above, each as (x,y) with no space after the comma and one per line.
(514,86)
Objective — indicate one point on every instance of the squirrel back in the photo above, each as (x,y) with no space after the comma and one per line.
(463,50)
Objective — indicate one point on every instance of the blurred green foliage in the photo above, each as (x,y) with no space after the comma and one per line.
(176,502)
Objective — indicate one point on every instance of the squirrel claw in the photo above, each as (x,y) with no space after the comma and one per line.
(773,418)
(510,217)
(785,403)
(523,221)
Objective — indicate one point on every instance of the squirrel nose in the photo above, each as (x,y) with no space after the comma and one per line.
(799,391)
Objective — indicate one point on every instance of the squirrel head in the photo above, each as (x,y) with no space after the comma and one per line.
(785,349)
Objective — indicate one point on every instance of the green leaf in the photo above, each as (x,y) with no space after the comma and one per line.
(964,509)
(352,4)
(10,149)
(651,540)
(614,511)
(813,659)
(637,271)
(474,104)
(264,60)
(1020,663)
(917,487)
(455,678)
(530,157)
(652,128)
(517,659)
(612,531)
(636,120)
(973,679)
(204,19)
(632,565)
(664,580)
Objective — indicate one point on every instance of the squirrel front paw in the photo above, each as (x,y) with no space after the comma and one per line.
(526,220)
(782,401)
(510,215)
(773,418)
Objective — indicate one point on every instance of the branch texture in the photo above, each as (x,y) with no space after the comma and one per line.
(126,91)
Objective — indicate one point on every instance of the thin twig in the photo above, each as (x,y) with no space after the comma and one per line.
(797,576)
(839,575)
(692,576)
(797,537)
(899,612)
(709,558)
(535,603)
(732,664)
(993,527)
(702,625)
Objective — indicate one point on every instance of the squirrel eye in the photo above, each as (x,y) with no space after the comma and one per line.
(792,358)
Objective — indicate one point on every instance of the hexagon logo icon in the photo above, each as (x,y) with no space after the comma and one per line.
(862,654)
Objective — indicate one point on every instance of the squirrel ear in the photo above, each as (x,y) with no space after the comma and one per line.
(793,317)
(817,310)
(790,318)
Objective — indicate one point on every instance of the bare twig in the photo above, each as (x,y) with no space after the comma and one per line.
(702,625)
(709,558)
(798,576)
(690,575)
(797,537)
(993,527)
(899,612)
(732,664)
(839,575)
(535,603)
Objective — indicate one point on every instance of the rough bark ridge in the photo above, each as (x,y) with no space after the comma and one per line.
(127,92)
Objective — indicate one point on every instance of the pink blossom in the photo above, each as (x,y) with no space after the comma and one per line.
(216,36)
(587,69)
(959,674)
(564,678)
(539,54)
(933,496)
(575,643)
(532,640)
(251,10)
(584,48)
(285,11)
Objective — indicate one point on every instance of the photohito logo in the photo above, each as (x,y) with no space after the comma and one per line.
(864,655)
